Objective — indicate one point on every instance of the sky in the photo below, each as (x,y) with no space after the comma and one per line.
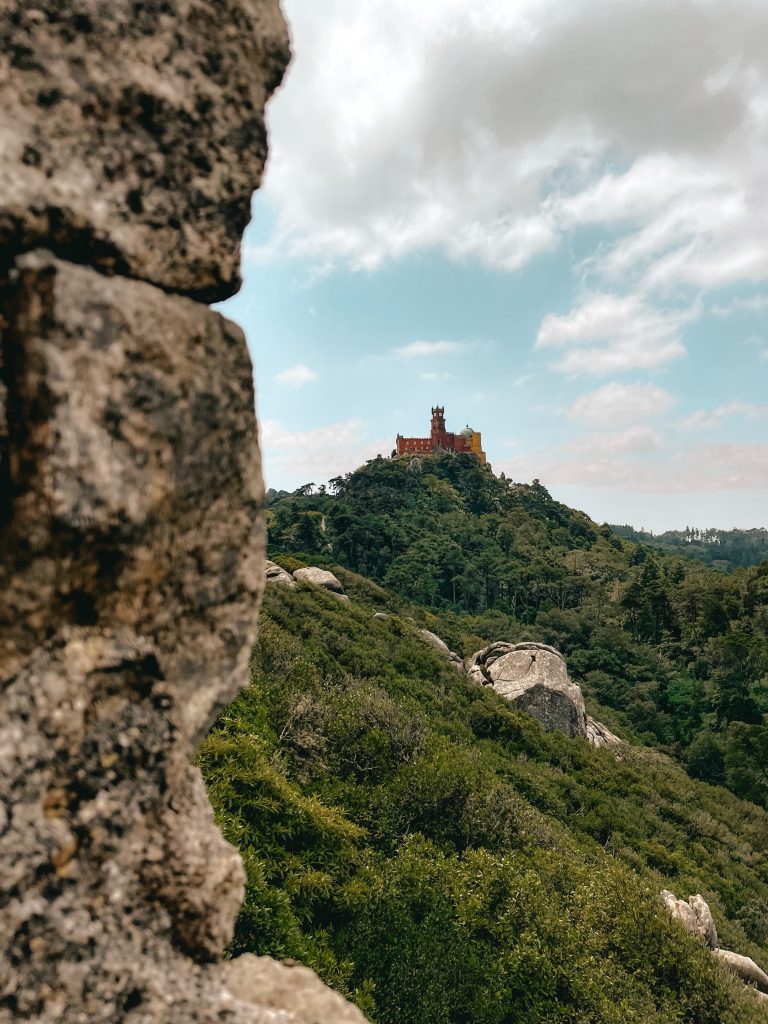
(549,216)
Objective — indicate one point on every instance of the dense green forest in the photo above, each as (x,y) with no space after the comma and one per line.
(440,858)
(676,653)
(722,549)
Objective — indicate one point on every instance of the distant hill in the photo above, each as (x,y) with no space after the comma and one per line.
(675,652)
(722,549)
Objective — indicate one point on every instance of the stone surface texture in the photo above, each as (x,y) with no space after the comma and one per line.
(434,641)
(319,578)
(745,967)
(133,133)
(534,678)
(275,573)
(696,917)
(275,985)
(131,505)
(600,735)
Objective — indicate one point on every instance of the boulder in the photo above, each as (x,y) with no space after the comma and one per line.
(434,641)
(276,574)
(275,985)
(534,678)
(745,967)
(600,735)
(695,916)
(319,578)
(381,616)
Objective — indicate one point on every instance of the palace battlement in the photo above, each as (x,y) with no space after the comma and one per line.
(441,440)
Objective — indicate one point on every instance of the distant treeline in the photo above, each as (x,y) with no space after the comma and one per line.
(722,549)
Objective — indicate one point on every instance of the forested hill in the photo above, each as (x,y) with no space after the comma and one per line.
(675,653)
(441,859)
(722,549)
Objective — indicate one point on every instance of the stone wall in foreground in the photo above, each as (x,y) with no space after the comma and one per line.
(131,536)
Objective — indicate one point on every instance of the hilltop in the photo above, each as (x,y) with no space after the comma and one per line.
(674,654)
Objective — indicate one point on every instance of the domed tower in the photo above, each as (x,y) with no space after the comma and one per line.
(474,444)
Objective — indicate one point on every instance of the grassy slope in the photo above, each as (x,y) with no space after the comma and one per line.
(442,859)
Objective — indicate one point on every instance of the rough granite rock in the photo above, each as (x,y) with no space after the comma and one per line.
(319,578)
(534,677)
(600,735)
(434,641)
(133,133)
(695,916)
(275,985)
(745,967)
(275,573)
(381,616)
(134,493)
(131,505)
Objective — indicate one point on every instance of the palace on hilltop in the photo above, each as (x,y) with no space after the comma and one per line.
(442,440)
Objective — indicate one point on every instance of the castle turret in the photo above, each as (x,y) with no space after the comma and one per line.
(438,426)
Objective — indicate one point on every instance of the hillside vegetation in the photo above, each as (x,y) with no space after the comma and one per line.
(440,858)
(722,549)
(675,653)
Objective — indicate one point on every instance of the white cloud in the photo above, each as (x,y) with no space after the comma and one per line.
(612,333)
(294,457)
(622,403)
(707,419)
(428,349)
(630,441)
(296,376)
(688,470)
(436,375)
(743,304)
(493,130)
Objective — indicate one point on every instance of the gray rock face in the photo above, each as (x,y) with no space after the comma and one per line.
(319,578)
(600,735)
(131,525)
(133,134)
(745,967)
(275,573)
(434,641)
(277,985)
(533,677)
(695,916)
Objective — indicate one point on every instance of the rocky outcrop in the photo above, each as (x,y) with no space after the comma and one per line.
(381,616)
(600,735)
(275,573)
(131,527)
(696,918)
(435,642)
(746,969)
(442,647)
(133,134)
(277,985)
(534,678)
(321,578)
